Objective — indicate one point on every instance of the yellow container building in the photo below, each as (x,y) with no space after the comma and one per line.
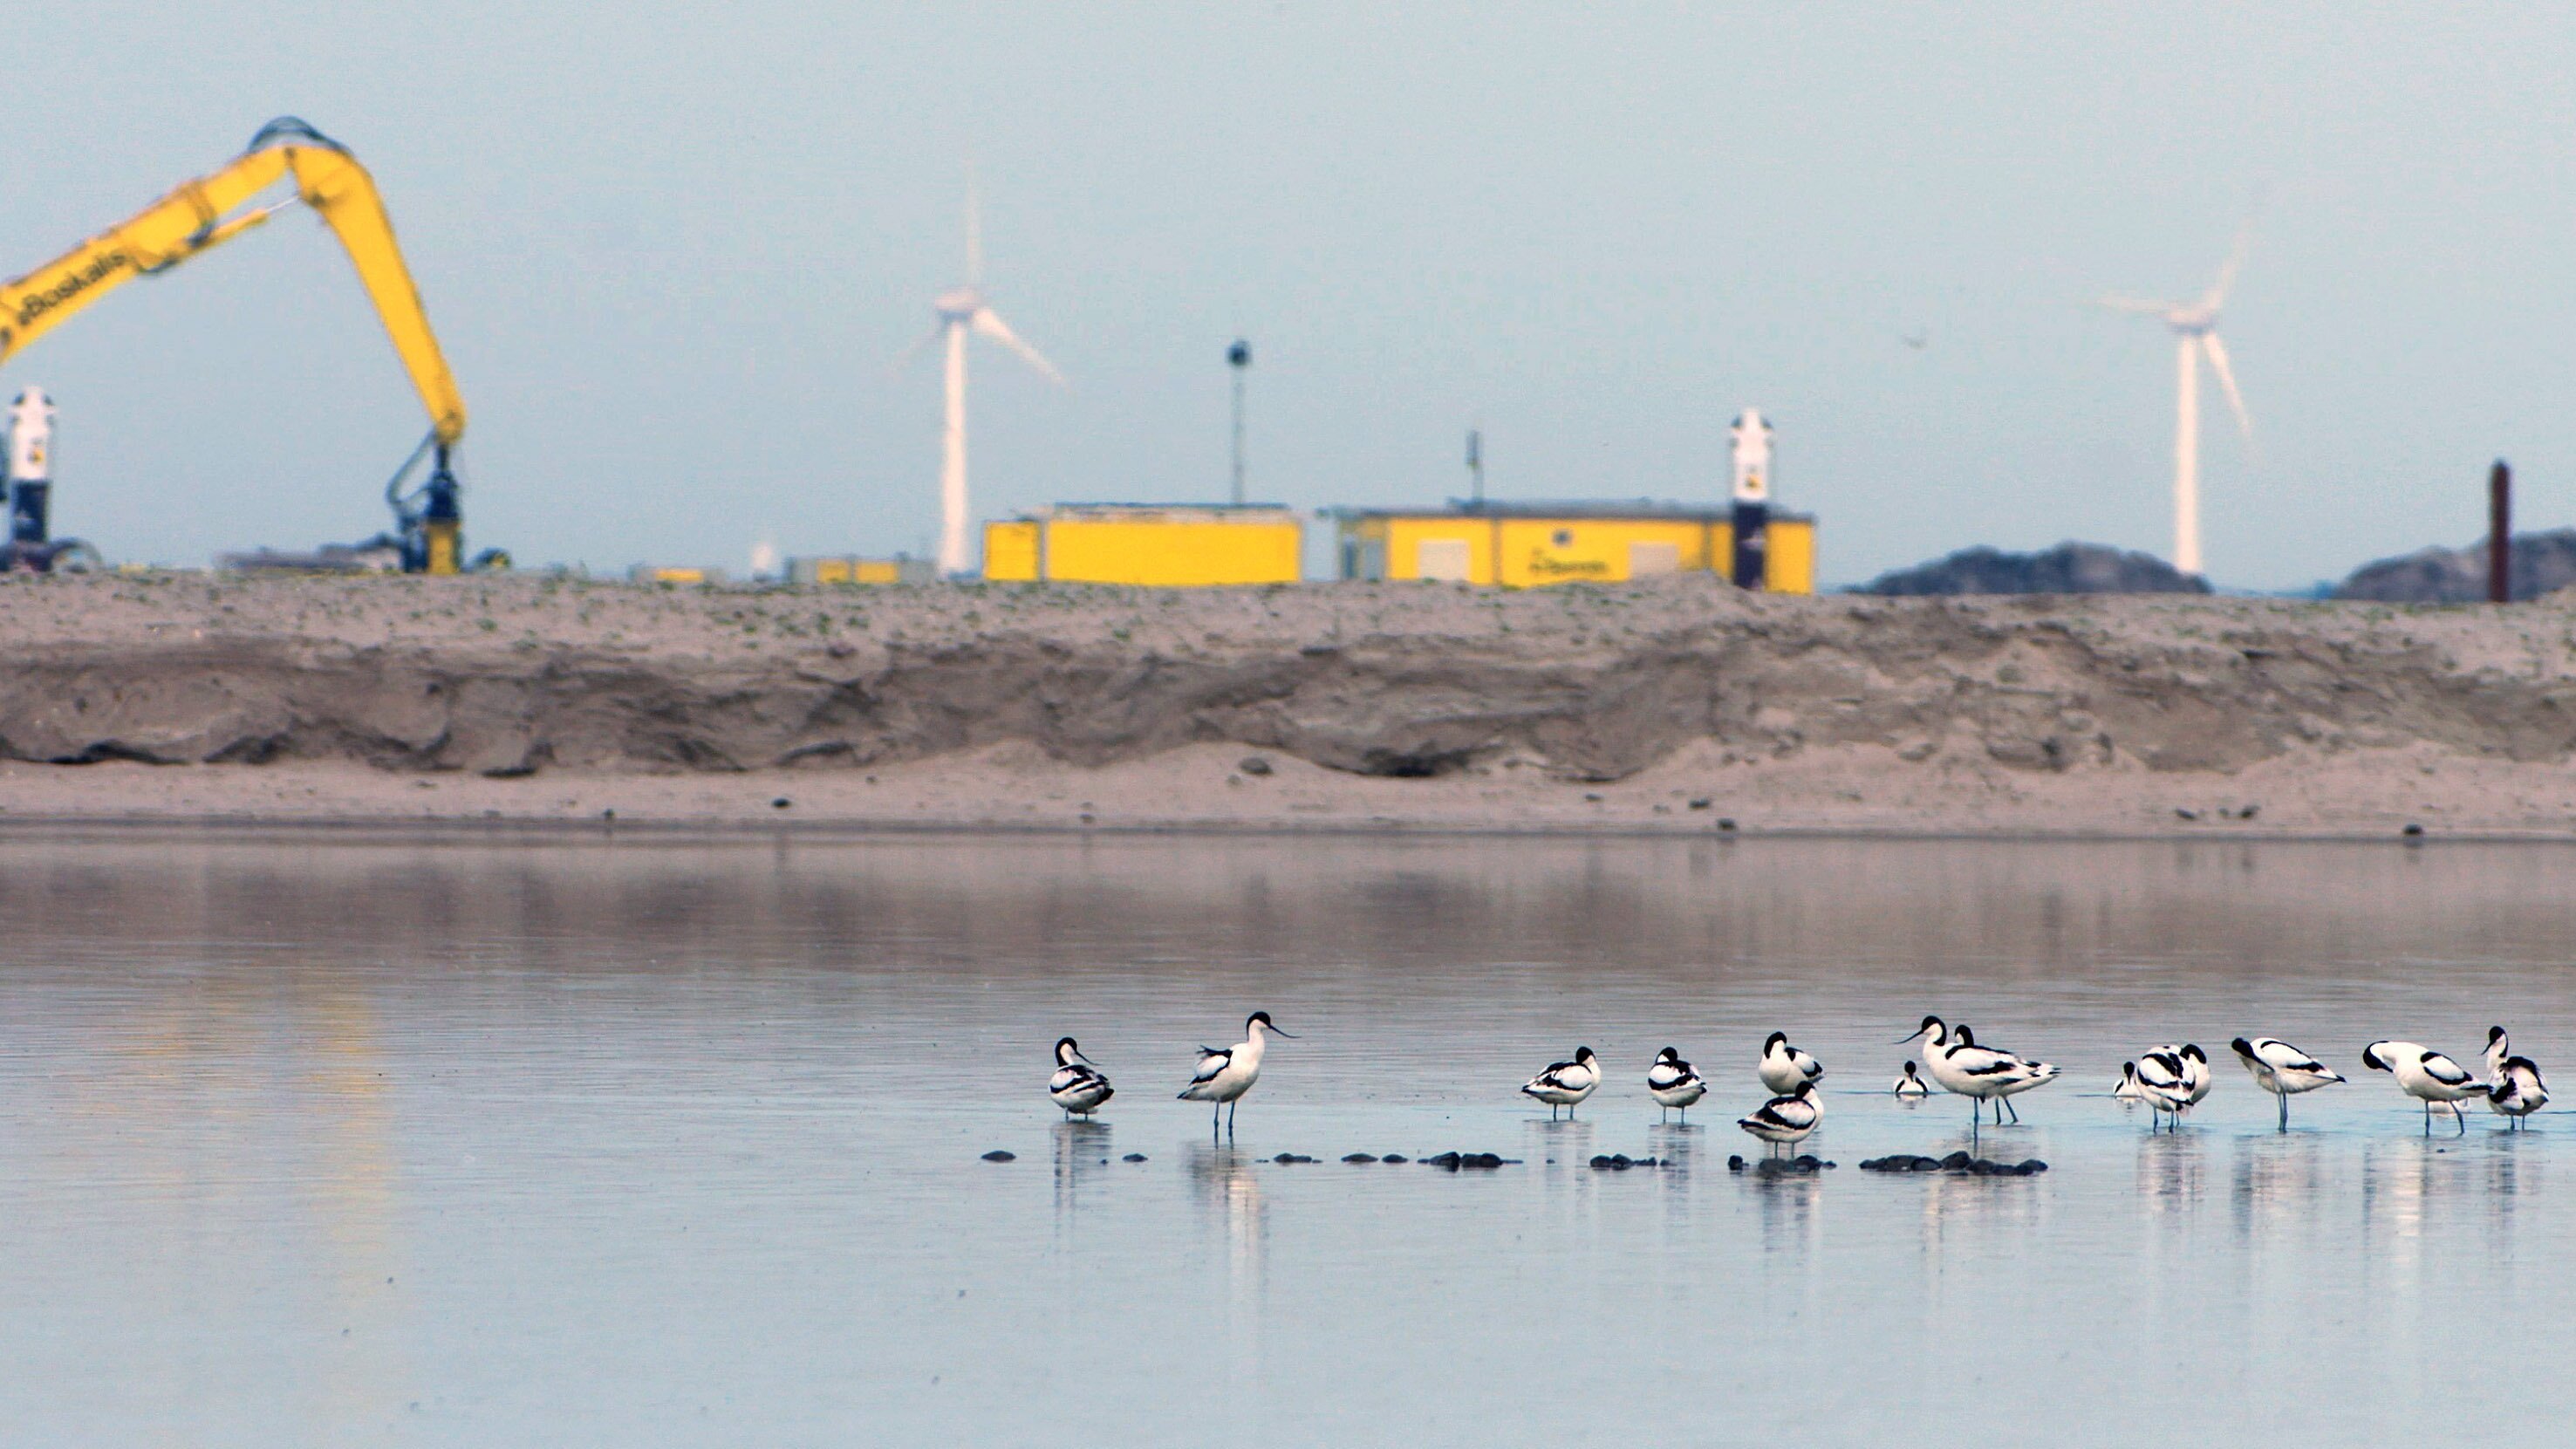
(1523,545)
(1175,545)
(854,570)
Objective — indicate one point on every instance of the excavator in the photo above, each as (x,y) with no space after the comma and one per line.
(429,522)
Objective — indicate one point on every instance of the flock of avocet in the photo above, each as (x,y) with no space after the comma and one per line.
(2169,1080)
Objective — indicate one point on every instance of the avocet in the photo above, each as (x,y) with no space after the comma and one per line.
(2514,1087)
(1784,1068)
(1672,1083)
(1226,1073)
(1787,1119)
(1978,1073)
(2282,1070)
(2426,1075)
(1910,1086)
(1566,1084)
(1077,1085)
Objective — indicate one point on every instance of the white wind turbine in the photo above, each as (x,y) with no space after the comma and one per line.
(962,310)
(2195,330)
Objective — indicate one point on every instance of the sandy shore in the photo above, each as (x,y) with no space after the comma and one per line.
(1678,706)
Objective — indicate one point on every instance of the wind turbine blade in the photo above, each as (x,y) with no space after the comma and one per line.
(2118,303)
(2217,351)
(989,323)
(916,349)
(2217,294)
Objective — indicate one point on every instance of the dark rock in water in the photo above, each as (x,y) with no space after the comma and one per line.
(1448,1160)
(998,1155)
(2542,563)
(1254,765)
(1392,1157)
(1734,1163)
(1358,1157)
(1788,1167)
(2069,568)
(1614,1162)
(1955,1162)
(1292,1157)
(1480,1159)
(1133,1157)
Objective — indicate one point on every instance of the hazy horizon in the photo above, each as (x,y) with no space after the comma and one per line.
(675,259)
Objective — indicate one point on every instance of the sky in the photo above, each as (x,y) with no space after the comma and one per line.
(676,252)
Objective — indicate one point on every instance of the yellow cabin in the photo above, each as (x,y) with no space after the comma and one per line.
(1524,545)
(1177,545)
(851,570)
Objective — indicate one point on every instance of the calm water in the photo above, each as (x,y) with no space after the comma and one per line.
(314,1140)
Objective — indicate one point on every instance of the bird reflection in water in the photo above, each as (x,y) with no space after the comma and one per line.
(2172,1172)
(1081,1152)
(2279,1182)
(1228,1189)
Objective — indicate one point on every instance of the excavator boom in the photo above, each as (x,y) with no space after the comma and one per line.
(208,212)
(213,209)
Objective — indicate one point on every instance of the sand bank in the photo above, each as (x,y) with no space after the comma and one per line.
(1662,706)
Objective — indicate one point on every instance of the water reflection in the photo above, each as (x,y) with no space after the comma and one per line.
(2171,1171)
(1228,1188)
(557,1093)
(1082,1155)
(2278,1180)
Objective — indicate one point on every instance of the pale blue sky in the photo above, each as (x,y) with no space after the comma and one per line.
(673,250)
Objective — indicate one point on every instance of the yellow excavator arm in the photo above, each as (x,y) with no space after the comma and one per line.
(212,210)
(208,211)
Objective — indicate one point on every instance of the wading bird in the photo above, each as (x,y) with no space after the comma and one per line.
(1910,1086)
(1784,1068)
(1787,1119)
(1977,1073)
(2514,1087)
(2282,1070)
(1566,1084)
(1672,1083)
(2163,1081)
(2426,1075)
(1077,1085)
(1226,1073)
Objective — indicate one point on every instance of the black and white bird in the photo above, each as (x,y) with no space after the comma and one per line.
(1077,1085)
(1566,1084)
(1672,1083)
(2163,1080)
(2426,1075)
(1980,1074)
(1786,1119)
(1784,1068)
(2127,1089)
(1226,1073)
(2003,1099)
(2283,1070)
(2514,1087)
(1910,1086)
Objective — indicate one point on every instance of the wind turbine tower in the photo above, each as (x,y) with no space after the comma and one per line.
(2195,329)
(962,309)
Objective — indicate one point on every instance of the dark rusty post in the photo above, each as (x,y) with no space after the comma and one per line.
(2500,534)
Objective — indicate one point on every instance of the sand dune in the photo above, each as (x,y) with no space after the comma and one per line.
(1397,704)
